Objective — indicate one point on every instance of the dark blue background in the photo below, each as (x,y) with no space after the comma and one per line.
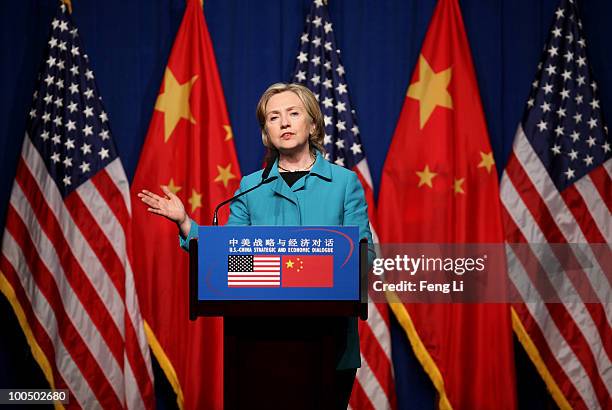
(256,43)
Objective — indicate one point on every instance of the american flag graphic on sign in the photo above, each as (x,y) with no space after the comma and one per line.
(253,271)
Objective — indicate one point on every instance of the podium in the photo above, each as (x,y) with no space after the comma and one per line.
(283,335)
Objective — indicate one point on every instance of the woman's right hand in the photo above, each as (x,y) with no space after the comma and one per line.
(168,206)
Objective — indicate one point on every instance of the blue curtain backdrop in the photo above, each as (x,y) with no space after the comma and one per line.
(256,44)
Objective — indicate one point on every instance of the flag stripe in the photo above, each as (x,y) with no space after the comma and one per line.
(561,314)
(527,226)
(545,349)
(42,182)
(41,317)
(108,208)
(372,375)
(595,209)
(538,214)
(117,176)
(549,230)
(608,168)
(138,354)
(76,208)
(106,238)
(542,216)
(107,189)
(359,398)
(371,386)
(580,211)
(58,255)
(379,326)
(374,354)
(133,397)
(363,173)
(583,330)
(107,242)
(602,181)
(41,337)
(548,318)
(72,343)
(539,179)
(65,259)
(87,221)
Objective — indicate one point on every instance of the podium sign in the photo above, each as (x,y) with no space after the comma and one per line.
(275,270)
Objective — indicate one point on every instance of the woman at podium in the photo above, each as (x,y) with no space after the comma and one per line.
(301,188)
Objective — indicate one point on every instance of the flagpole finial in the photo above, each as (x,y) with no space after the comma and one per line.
(68,3)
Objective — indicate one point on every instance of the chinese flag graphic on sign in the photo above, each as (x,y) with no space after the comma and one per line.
(307,271)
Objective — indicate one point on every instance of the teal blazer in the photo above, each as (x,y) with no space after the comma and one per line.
(328,195)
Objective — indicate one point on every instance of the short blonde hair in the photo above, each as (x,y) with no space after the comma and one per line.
(315,140)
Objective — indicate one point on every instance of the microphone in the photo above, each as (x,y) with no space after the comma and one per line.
(264,180)
(269,165)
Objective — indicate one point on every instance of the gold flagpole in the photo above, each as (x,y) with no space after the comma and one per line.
(68,3)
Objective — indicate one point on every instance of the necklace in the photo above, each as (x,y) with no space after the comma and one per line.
(299,169)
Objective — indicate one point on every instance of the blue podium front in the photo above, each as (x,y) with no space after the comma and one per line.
(276,270)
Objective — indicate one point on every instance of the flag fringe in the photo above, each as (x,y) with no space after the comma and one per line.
(419,349)
(37,352)
(165,364)
(538,362)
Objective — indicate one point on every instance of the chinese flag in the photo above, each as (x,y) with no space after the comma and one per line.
(439,185)
(189,147)
(307,271)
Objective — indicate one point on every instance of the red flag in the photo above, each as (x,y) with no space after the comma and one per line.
(64,264)
(440,185)
(307,271)
(189,147)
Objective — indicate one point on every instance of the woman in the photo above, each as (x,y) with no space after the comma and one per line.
(308,190)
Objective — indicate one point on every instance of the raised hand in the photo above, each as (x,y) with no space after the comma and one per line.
(168,206)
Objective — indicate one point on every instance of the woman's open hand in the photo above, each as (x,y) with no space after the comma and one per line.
(168,206)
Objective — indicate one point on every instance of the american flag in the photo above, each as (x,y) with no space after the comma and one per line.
(557,189)
(319,68)
(64,262)
(250,271)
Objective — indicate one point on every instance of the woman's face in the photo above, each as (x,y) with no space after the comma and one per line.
(287,123)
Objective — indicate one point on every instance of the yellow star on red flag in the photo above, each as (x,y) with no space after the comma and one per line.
(174,102)
(430,90)
(457,186)
(229,134)
(225,174)
(195,200)
(426,177)
(486,161)
(173,187)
